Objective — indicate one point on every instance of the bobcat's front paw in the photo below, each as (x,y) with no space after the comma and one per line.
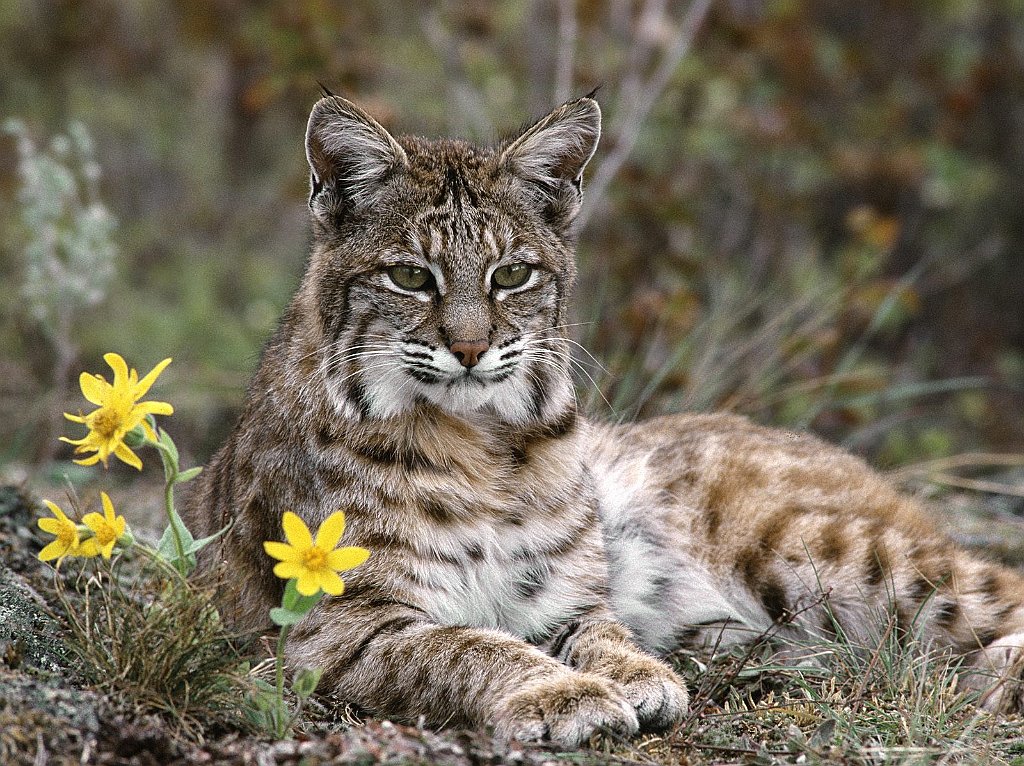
(998,674)
(567,709)
(657,694)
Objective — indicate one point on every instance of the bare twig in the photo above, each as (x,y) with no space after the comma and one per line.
(471,108)
(705,693)
(978,485)
(641,39)
(938,472)
(640,107)
(567,31)
(966,460)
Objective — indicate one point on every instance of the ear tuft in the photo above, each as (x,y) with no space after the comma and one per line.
(551,155)
(349,155)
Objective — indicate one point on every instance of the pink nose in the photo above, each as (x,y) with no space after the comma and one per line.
(468,352)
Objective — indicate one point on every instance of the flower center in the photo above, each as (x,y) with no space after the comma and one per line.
(105,534)
(105,422)
(314,558)
(66,534)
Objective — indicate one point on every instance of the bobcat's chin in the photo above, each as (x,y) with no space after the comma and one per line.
(461,395)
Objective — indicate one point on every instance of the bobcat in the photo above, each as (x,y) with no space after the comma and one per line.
(529,568)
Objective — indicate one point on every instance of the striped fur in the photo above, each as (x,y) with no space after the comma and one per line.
(529,567)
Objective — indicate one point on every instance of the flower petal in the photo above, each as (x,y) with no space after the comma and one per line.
(140,388)
(94,521)
(281,551)
(108,507)
(286,570)
(308,583)
(330,531)
(91,460)
(346,558)
(54,550)
(296,532)
(120,368)
(153,408)
(50,526)
(55,510)
(94,388)
(124,452)
(331,584)
(88,549)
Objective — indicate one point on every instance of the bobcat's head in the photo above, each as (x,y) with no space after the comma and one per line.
(440,271)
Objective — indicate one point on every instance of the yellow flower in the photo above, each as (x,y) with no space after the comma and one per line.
(107,530)
(66,531)
(120,411)
(314,564)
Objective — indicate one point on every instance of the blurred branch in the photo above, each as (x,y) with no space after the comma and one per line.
(641,39)
(966,460)
(567,31)
(978,485)
(471,109)
(640,105)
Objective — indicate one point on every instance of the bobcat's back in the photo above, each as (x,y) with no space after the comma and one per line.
(719,530)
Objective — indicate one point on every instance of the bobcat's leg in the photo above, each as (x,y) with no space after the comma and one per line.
(987,626)
(391,660)
(599,644)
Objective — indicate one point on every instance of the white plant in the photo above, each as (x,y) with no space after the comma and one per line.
(68,250)
(65,236)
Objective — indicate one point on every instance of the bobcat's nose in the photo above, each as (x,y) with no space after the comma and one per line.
(468,352)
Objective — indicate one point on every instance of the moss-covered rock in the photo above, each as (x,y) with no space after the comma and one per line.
(28,635)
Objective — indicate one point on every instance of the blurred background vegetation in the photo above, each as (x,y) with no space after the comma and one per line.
(804,210)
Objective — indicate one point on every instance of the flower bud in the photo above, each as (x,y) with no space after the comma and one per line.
(136,437)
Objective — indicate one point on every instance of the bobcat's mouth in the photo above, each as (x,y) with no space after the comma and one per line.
(438,367)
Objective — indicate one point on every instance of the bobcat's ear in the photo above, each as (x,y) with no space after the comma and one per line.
(349,154)
(551,155)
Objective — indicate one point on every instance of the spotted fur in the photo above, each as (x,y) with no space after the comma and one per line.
(528,567)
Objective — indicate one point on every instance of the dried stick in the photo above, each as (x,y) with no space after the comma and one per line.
(567,31)
(640,107)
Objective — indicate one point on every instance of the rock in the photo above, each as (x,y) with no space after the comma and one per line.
(28,635)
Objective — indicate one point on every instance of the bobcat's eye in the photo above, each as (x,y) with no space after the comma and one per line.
(410,277)
(513,275)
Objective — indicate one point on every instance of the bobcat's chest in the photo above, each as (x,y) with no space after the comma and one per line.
(500,538)
(499,576)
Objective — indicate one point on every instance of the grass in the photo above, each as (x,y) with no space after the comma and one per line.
(154,645)
(894,702)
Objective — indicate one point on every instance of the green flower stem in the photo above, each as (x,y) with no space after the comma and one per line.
(170,461)
(154,555)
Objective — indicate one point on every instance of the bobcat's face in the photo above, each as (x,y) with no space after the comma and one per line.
(441,271)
